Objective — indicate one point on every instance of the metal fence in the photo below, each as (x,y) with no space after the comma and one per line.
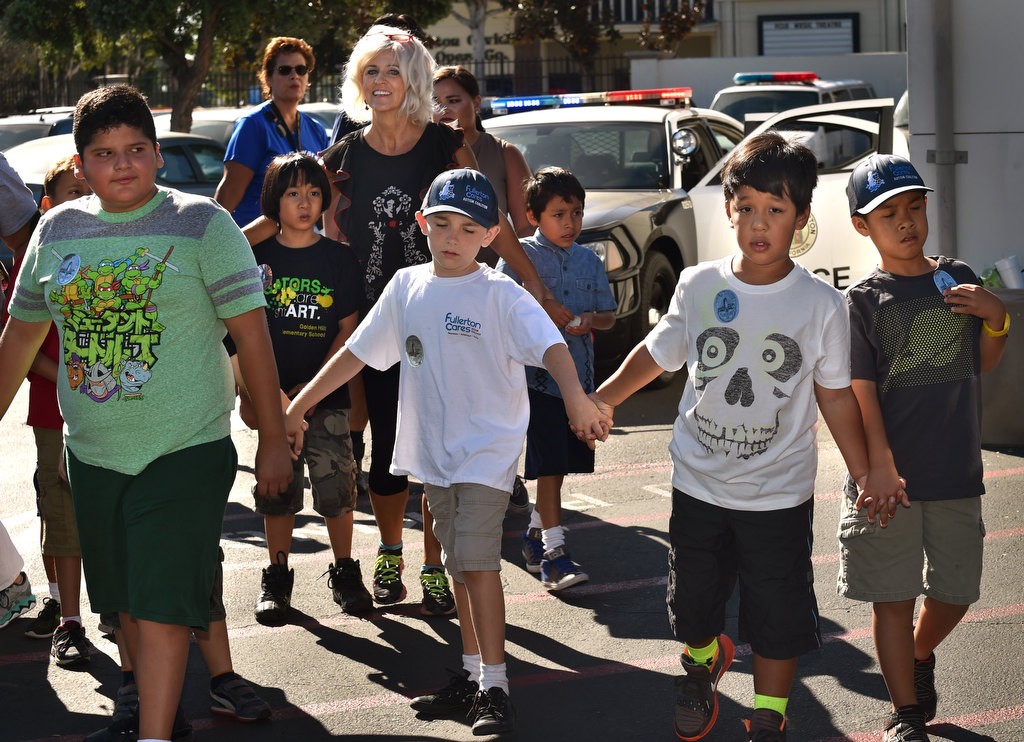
(500,77)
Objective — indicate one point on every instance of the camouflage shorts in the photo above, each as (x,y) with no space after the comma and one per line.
(327,453)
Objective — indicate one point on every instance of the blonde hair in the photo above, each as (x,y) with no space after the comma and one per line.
(414,62)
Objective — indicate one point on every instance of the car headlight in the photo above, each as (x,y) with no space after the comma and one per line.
(609,253)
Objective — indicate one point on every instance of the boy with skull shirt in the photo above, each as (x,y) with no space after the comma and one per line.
(762,339)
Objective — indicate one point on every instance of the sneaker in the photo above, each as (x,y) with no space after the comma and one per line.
(346,583)
(766,726)
(236,698)
(437,595)
(906,724)
(46,622)
(519,500)
(126,729)
(924,686)
(697,692)
(455,698)
(492,713)
(109,623)
(126,705)
(70,646)
(387,577)
(559,571)
(16,600)
(276,595)
(533,550)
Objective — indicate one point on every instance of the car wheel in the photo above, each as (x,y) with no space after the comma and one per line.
(657,284)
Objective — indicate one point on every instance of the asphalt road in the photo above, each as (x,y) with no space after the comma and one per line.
(595,662)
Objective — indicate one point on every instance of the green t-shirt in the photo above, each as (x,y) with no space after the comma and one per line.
(139,300)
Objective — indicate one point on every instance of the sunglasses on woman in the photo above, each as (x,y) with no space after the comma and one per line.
(401,38)
(286,69)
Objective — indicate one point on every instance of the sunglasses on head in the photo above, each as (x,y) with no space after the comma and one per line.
(286,69)
(401,38)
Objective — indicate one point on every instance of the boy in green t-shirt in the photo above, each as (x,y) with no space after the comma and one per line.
(161,274)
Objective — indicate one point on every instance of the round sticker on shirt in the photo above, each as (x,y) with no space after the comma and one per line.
(266,276)
(68,269)
(414,350)
(943,281)
(727,305)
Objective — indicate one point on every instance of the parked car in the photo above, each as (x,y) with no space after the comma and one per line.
(772,92)
(43,122)
(192,163)
(637,153)
(219,123)
(829,246)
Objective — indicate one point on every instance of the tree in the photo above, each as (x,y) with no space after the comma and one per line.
(674,25)
(475,19)
(577,26)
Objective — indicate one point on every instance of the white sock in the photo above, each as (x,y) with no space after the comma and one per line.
(54,591)
(471,664)
(494,676)
(535,519)
(76,619)
(553,537)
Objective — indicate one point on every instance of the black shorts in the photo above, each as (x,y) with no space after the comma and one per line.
(769,552)
(382,409)
(552,448)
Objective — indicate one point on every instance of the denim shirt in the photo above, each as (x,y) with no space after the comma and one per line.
(576,278)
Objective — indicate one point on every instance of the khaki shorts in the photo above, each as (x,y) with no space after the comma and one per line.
(56,508)
(933,548)
(468,523)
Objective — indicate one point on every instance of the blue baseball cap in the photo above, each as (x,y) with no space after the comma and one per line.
(464,191)
(879,178)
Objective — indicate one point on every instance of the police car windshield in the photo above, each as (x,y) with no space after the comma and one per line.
(756,100)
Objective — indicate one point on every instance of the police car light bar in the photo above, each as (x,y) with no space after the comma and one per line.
(747,78)
(652,94)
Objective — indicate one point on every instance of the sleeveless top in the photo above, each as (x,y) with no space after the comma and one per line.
(378,197)
(490,157)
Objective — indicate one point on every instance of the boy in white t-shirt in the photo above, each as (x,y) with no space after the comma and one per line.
(463,334)
(762,339)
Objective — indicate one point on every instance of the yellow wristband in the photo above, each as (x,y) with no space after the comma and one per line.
(997,333)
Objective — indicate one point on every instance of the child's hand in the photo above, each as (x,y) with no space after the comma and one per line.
(881,506)
(966,298)
(558,313)
(604,408)
(587,421)
(583,327)
(273,469)
(292,394)
(295,427)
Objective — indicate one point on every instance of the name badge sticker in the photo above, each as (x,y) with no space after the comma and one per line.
(68,269)
(727,305)
(943,281)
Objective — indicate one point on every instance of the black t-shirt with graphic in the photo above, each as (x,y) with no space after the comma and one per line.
(309,290)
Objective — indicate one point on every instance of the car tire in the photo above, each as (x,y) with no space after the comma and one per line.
(657,284)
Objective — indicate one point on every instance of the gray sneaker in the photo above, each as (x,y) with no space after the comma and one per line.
(237,698)
(906,725)
(16,600)
(70,646)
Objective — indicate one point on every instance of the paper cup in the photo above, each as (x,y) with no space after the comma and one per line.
(1010,271)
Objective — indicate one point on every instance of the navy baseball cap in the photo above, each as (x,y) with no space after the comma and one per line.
(464,191)
(879,178)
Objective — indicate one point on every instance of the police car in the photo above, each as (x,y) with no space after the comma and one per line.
(772,92)
(637,154)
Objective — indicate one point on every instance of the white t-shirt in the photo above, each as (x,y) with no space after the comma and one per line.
(745,435)
(463,344)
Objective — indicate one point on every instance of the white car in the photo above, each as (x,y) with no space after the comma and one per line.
(829,246)
(219,122)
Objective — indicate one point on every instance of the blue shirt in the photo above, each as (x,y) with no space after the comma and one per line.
(577,279)
(256,141)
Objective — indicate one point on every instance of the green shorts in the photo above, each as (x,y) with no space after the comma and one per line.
(150,541)
(468,523)
(933,548)
(56,508)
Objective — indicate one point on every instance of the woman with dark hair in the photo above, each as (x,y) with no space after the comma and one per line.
(271,129)
(457,98)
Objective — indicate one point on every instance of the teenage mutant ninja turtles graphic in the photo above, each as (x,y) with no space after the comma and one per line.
(111,329)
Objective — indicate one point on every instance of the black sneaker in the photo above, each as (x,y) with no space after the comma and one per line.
(492,713)
(127,729)
(276,595)
(70,646)
(387,577)
(437,594)
(924,686)
(906,724)
(519,500)
(697,692)
(46,622)
(455,698)
(346,583)
(362,484)
(126,705)
(766,726)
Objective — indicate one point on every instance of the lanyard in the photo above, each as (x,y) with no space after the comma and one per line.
(293,137)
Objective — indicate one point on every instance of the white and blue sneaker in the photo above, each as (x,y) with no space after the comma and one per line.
(16,600)
(559,571)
